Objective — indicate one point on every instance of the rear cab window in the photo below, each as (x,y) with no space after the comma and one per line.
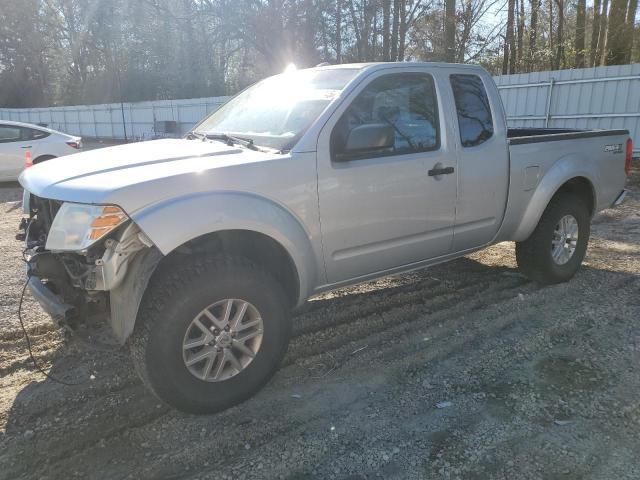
(475,121)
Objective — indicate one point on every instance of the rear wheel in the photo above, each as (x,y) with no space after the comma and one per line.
(43,158)
(554,251)
(210,333)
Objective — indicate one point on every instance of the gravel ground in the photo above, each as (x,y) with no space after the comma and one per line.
(541,382)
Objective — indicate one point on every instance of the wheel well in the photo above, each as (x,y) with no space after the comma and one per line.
(257,247)
(43,158)
(581,187)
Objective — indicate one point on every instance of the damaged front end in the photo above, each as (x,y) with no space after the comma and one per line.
(83,260)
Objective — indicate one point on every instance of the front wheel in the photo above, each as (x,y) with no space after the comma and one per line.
(555,250)
(210,333)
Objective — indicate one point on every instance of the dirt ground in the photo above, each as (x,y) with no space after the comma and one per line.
(543,382)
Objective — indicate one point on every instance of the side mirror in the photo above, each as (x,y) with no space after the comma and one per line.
(367,139)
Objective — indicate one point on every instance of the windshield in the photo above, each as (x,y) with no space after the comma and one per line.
(277,111)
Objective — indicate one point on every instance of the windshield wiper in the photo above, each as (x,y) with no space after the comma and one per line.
(231,140)
(193,134)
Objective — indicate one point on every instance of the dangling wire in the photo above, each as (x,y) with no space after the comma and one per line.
(24,330)
(36,365)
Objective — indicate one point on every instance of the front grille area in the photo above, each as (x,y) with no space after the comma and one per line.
(42,213)
(45,211)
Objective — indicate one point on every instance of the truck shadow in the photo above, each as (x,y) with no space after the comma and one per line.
(52,427)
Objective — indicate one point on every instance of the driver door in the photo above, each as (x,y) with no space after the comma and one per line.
(386,209)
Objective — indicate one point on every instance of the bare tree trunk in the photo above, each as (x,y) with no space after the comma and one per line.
(505,56)
(366,29)
(356,30)
(394,30)
(580,32)
(374,32)
(339,31)
(520,32)
(450,31)
(465,20)
(551,42)
(402,33)
(631,20)
(595,32)
(325,39)
(602,37)
(386,28)
(560,41)
(510,38)
(308,36)
(616,33)
(533,33)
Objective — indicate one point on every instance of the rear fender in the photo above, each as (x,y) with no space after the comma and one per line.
(565,169)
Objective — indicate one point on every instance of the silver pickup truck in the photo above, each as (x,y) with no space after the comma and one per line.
(197,249)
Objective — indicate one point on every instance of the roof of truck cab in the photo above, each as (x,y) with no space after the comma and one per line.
(369,65)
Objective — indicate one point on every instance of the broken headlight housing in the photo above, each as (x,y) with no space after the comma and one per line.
(77,226)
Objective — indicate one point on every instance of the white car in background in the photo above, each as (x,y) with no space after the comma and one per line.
(17,138)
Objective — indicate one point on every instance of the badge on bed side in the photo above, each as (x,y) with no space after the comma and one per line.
(613,148)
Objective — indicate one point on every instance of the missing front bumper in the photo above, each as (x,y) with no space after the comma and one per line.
(58,310)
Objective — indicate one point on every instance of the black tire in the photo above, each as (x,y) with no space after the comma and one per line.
(174,297)
(534,254)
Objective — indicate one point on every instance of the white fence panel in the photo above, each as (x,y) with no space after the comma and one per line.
(106,120)
(598,98)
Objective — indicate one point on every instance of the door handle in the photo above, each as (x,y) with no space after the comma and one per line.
(434,172)
(28,146)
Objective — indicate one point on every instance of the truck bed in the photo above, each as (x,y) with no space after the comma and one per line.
(541,159)
(519,136)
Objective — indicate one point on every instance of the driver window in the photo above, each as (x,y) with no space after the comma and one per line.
(406,102)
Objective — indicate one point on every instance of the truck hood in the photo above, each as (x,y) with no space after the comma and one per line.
(139,174)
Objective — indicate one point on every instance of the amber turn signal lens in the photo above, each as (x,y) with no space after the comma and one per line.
(107,221)
(110,218)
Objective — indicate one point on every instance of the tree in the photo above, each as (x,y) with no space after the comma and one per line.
(520,31)
(450,30)
(402,30)
(595,33)
(560,57)
(551,37)
(602,35)
(395,30)
(617,38)
(579,44)
(508,62)
(61,52)
(24,73)
(630,27)
(533,33)
(386,30)
(339,31)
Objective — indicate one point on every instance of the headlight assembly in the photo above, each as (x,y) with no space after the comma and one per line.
(77,226)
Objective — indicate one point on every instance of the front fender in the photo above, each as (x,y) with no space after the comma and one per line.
(563,170)
(174,222)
